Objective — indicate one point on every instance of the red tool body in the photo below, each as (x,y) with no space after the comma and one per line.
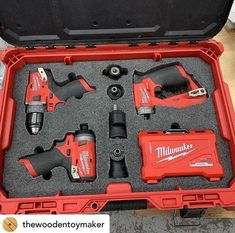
(76,154)
(38,87)
(179,153)
(44,93)
(149,88)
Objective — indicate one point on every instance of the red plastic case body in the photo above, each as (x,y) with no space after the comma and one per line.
(209,51)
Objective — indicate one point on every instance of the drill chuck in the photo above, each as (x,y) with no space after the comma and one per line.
(34,122)
(34,117)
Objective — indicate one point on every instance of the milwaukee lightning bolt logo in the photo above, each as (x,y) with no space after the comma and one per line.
(171,153)
(85,161)
(36,84)
(144,95)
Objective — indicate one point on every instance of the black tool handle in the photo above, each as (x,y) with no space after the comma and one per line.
(68,88)
(74,88)
(167,75)
(43,163)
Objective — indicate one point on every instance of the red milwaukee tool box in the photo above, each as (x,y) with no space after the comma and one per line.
(114,105)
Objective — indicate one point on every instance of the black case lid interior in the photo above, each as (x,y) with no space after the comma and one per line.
(38,22)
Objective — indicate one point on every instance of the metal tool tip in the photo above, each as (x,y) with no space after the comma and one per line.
(115,107)
(35,130)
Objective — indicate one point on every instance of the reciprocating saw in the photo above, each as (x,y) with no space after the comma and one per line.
(44,93)
(166,85)
(76,154)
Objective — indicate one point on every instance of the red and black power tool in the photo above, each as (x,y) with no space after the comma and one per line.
(166,85)
(76,154)
(179,152)
(44,93)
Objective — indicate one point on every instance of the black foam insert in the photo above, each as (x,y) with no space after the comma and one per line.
(94,109)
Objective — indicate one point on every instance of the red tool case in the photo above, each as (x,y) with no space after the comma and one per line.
(102,30)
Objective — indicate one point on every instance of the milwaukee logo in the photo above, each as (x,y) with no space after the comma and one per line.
(144,95)
(36,83)
(163,151)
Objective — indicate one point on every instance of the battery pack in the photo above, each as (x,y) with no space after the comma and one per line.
(179,153)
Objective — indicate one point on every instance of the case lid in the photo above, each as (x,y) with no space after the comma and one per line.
(37,22)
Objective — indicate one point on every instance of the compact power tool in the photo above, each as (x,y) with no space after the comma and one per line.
(44,93)
(179,152)
(166,85)
(76,154)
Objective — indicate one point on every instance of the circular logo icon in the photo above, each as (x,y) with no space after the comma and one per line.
(9,224)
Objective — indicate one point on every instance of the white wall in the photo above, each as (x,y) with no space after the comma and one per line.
(232,14)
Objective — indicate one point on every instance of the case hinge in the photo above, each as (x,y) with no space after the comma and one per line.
(50,47)
(70,46)
(153,44)
(31,47)
(193,42)
(91,46)
(173,43)
(134,44)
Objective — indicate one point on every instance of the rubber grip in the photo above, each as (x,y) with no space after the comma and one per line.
(43,163)
(70,89)
(165,75)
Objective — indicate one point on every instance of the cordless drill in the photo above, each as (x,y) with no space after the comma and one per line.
(76,154)
(166,85)
(44,93)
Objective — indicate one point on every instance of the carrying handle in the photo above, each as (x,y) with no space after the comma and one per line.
(125,205)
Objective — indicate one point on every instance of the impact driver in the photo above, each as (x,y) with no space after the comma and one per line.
(76,154)
(44,93)
(166,85)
